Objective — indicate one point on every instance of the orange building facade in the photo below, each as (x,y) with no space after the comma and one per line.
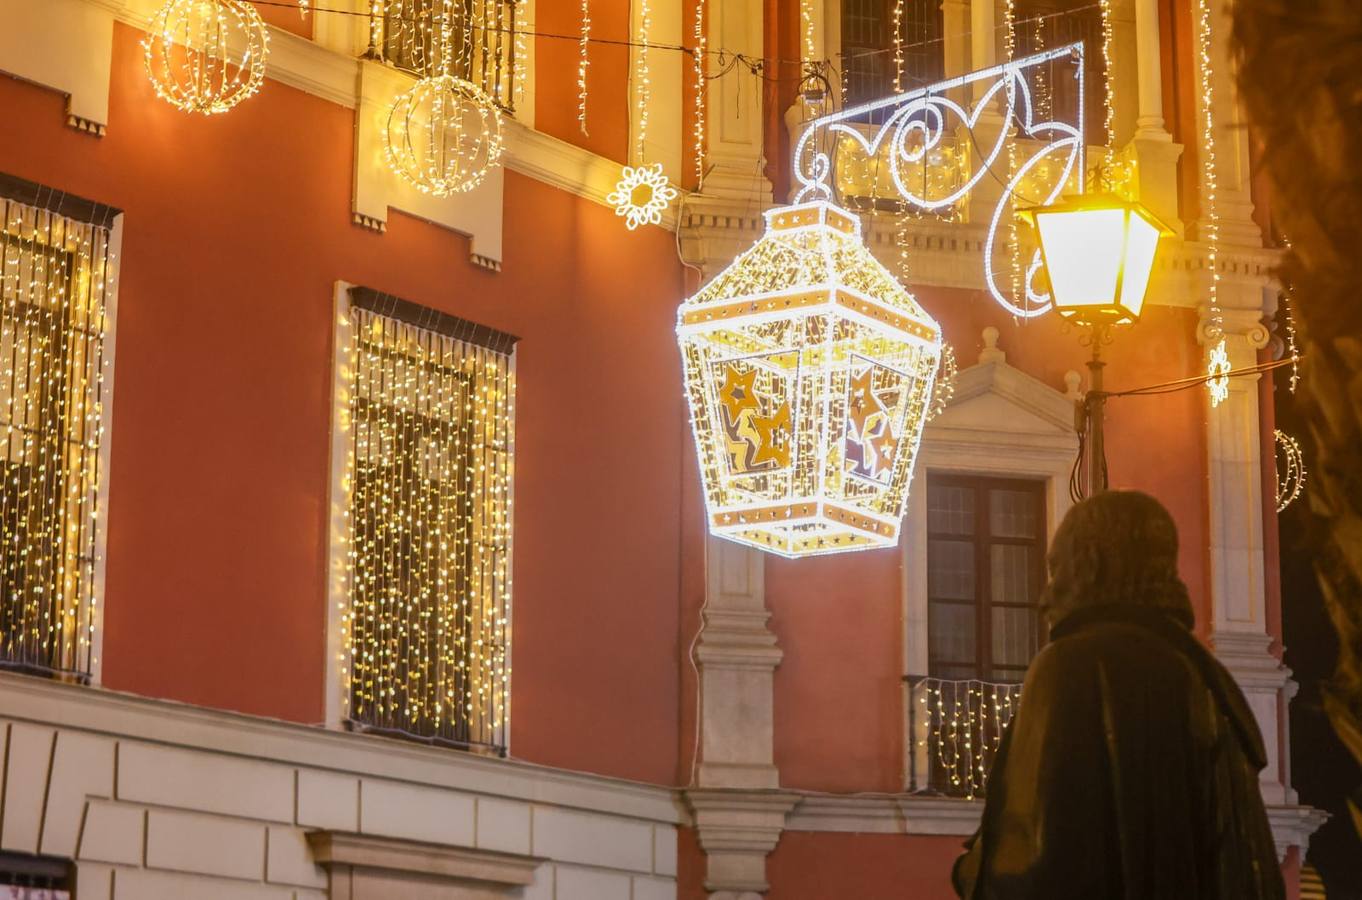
(681,716)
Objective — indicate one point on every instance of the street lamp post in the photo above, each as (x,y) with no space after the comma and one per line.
(1098,252)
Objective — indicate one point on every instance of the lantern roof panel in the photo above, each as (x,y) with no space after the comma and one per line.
(808,248)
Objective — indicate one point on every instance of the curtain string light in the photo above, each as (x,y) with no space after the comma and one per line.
(1218,362)
(698,68)
(583,63)
(56,277)
(898,46)
(643,75)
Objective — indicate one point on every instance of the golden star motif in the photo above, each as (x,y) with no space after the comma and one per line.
(862,403)
(769,428)
(738,393)
(885,446)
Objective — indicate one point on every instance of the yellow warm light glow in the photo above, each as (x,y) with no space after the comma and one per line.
(1099,254)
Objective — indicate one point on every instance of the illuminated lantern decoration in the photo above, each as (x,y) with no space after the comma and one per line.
(1098,252)
(809,371)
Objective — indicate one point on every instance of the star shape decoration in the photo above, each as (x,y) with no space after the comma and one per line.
(862,403)
(641,194)
(738,393)
(885,446)
(768,429)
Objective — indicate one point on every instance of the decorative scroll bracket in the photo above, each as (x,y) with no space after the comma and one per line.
(913,136)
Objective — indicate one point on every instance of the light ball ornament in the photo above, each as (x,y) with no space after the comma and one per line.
(443,135)
(206,56)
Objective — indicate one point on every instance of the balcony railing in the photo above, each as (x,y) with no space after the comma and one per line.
(954,729)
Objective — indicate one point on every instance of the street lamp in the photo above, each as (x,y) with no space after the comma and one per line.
(1098,252)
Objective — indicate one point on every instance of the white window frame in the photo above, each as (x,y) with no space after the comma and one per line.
(1038,443)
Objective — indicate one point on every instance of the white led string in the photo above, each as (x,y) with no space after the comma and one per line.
(643,76)
(583,63)
(898,45)
(1218,363)
(698,70)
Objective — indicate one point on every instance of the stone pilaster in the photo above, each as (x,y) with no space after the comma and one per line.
(739,809)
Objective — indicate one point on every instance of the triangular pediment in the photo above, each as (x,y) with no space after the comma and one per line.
(997,403)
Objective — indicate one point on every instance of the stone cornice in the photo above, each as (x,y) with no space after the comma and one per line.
(25,698)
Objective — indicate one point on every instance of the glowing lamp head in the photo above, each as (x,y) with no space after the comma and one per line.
(809,371)
(1099,254)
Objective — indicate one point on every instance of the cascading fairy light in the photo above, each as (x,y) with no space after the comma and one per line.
(1108,78)
(583,63)
(963,723)
(806,16)
(698,70)
(521,49)
(57,278)
(427,623)
(898,46)
(644,76)
(1218,363)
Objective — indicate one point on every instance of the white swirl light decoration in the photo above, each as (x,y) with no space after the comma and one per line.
(919,125)
(1290,469)
(206,56)
(443,135)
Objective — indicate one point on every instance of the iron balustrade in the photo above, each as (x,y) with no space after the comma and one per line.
(954,729)
(481,44)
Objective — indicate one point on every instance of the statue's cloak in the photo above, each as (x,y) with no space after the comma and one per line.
(1130,772)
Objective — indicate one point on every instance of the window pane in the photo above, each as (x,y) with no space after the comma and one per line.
(1010,573)
(950,509)
(1015,633)
(950,570)
(951,631)
(1013,514)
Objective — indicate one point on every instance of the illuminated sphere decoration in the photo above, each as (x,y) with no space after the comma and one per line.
(206,56)
(810,372)
(443,135)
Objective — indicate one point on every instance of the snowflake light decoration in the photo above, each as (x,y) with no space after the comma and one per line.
(1218,374)
(641,195)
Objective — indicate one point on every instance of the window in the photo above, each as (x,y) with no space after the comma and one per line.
(25,877)
(56,282)
(985,569)
(430,420)
(868,61)
(484,48)
(1046,24)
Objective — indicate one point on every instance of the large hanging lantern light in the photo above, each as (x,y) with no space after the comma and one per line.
(206,56)
(1098,251)
(443,135)
(809,371)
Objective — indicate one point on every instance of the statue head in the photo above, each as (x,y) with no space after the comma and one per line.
(1118,548)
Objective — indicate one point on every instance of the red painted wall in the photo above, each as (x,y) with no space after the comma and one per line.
(836,866)
(237,227)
